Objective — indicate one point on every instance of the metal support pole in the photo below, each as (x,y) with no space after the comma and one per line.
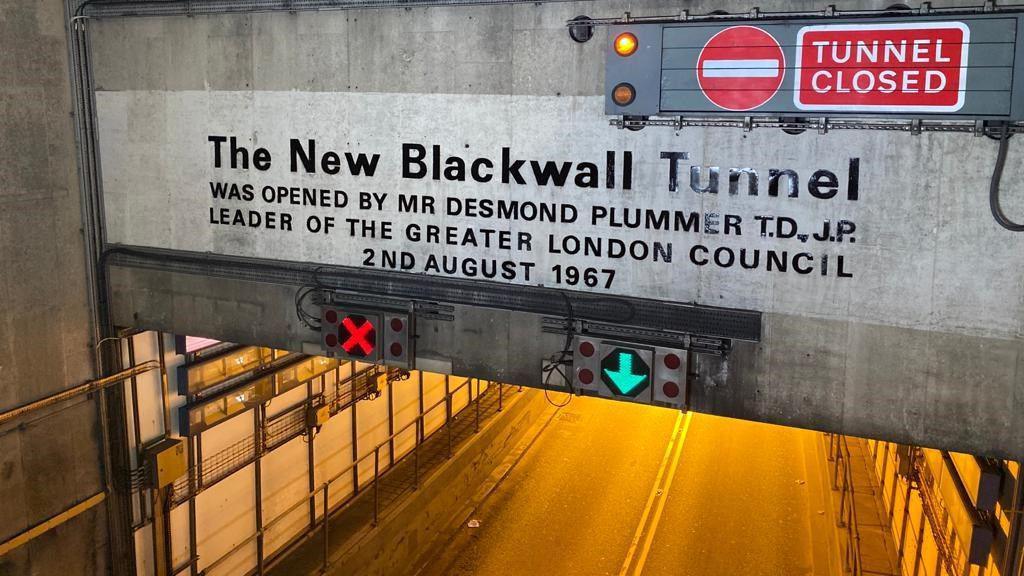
(199,462)
(355,434)
(136,425)
(311,473)
(415,465)
(326,522)
(448,422)
(376,484)
(477,427)
(391,425)
(447,398)
(419,427)
(257,431)
(501,393)
(835,470)
(841,520)
(193,484)
(1013,539)
(165,395)
(901,549)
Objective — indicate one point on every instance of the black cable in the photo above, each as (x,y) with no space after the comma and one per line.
(309,320)
(555,365)
(997,176)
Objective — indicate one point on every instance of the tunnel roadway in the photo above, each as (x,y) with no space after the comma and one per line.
(621,489)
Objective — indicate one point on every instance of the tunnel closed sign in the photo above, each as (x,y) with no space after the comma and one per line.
(882,67)
(958,66)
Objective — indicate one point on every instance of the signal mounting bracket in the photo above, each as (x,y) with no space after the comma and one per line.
(419,308)
(691,342)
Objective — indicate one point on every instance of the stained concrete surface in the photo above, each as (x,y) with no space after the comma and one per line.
(885,355)
(742,501)
(50,461)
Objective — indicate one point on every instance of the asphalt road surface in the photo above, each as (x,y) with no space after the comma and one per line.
(621,489)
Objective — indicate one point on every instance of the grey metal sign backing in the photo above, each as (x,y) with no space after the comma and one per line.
(940,66)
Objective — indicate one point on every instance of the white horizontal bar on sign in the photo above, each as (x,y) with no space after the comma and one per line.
(740,68)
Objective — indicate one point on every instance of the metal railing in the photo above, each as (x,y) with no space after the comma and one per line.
(323,491)
(842,482)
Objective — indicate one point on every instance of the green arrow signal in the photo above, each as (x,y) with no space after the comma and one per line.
(624,379)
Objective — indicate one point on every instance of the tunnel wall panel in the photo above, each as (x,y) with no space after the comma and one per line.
(332,449)
(285,482)
(406,410)
(225,517)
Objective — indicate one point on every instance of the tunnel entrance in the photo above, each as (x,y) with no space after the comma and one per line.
(251,459)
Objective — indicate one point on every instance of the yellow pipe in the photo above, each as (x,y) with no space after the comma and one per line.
(50,524)
(85,388)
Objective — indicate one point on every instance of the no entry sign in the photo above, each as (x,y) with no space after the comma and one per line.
(955,66)
(741,68)
(910,67)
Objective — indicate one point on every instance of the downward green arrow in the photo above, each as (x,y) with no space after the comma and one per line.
(624,379)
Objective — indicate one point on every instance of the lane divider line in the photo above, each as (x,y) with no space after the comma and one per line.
(664,497)
(675,438)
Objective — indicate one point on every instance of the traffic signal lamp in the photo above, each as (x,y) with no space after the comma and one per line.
(669,378)
(397,343)
(628,371)
(368,336)
(586,364)
(350,334)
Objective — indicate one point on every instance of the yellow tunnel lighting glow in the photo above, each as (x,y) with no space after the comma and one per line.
(625,44)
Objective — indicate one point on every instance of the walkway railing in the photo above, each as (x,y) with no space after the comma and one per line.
(351,471)
(842,482)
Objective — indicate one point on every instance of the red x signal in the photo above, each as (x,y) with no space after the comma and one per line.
(361,335)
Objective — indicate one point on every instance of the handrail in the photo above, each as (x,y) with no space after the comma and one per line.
(839,454)
(85,388)
(325,486)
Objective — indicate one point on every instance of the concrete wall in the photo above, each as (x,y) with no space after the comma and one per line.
(947,370)
(51,460)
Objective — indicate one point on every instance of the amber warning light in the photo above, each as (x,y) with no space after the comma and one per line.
(625,44)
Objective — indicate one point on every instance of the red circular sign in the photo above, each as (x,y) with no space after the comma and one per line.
(741,68)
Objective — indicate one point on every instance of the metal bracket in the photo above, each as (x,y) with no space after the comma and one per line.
(693,342)
(416,308)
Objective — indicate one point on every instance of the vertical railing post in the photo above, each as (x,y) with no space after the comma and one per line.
(477,427)
(376,484)
(327,517)
(448,421)
(501,390)
(840,461)
(835,471)
(416,466)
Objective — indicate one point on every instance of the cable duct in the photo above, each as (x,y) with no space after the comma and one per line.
(118,8)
